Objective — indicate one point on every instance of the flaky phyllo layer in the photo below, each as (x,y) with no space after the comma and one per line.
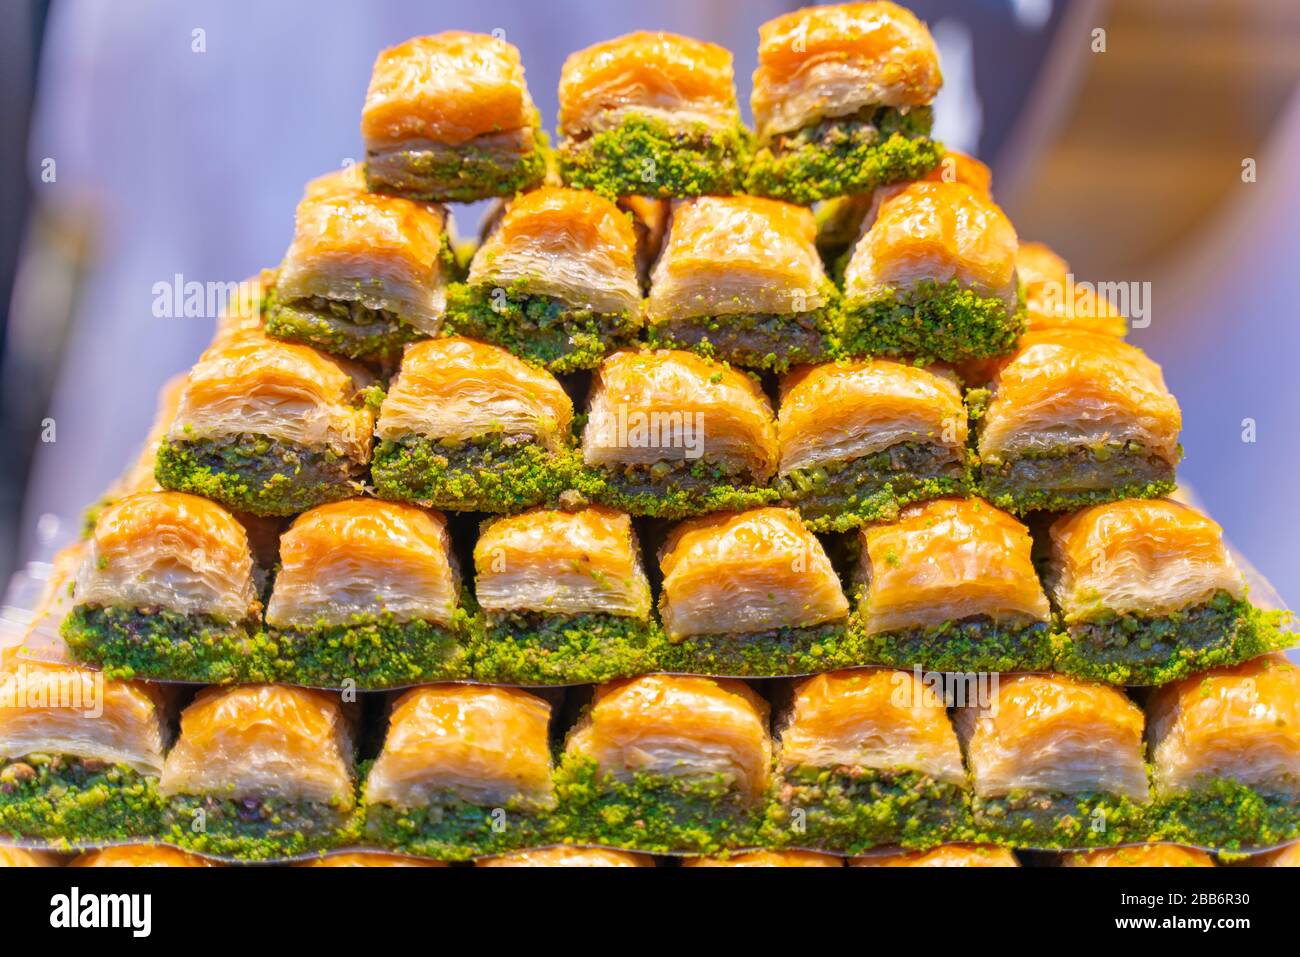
(1065,389)
(461,390)
(172,551)
(737,255)
(732,573)
(476,744)
(873,718)
(947,560)
(1240,723)
(833,61)
(934,233)
(842,411)
(569,244)
(674,79)
(364,557)
(352,245)
(259,742)
(648,407)
(677,727)
(562,563)
(247,383)
(1146,556)
(1052,734)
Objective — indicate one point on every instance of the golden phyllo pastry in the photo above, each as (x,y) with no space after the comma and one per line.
(740,279)
(958,167)
(750,593)
(1077,418)
(650,219)
(448,118)
(841,101)
(569,857)
(467,426)
(848,739)
(555,281)
(269,427)
(42,635)
(1288,856)
(1140,855)
(140,855)
(860,439)
(767,859)
(20,857)
(465,770)
(651,114)
(369,859)
(368,591)
(1053,300)
(933,275)
(951,586)
(1056,762)
(365,272)
(671,434)
(945,855)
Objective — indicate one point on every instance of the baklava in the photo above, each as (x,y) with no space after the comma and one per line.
(1139,855)
(80,755)
(861,439)
(369,859)
(467,426)
(1077,418)
(166,590)
(465,770)
(933,276)
(1225,751)
(270,427)
(951,586)
(262,772)
(867,758)
(1053,300)
(1148,593)
(1056,763)
(767,859)
(651,114)
(369,592)
(140,855)
(751,593)
(562,856)
(672,434)
(667,764)
(564,597)
(365,274)
(448,119)
(841,101)
(945,855)
(555,281)
(739,280)
(21,857)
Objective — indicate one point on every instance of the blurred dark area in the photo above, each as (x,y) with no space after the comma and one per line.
(155,140)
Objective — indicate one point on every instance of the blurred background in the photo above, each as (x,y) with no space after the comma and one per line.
(150,142)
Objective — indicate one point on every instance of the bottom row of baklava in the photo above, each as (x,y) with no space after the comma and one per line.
(861,759)
(945,855)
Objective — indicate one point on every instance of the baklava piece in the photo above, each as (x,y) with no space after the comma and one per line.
(365,274)
(1053,300)
(867,758)
(270,427)
(369,592)
(767,859)
(841,101)
(21,857)
(945,855)
(666,764)
(740,281)
(1225,747)
(369,859)
(861,439)
(166,590)
(933,276)
(1148,593)
(751,594)
(465,771)
(467,426)
(672,434)
(1056,763)
(554,282)
(1139,855)
(561,856)
(448,119)
(1075,419)
(951,586)
(565,599)
(651,114)
(262,772)
(140,855)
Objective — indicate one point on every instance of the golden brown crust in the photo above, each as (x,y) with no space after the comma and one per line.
(140,855)
(370,859)
(768,859)
(945,855)
(1140,855)
(561,856)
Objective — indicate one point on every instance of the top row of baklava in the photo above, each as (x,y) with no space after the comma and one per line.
(841,105)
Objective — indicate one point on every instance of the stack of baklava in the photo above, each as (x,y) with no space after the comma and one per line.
(479,547)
